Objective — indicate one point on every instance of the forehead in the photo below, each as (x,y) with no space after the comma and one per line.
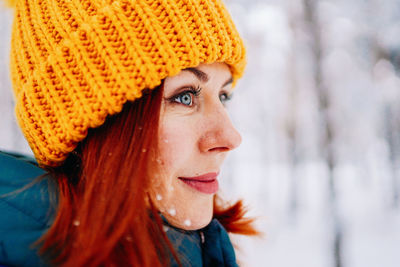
(205,73)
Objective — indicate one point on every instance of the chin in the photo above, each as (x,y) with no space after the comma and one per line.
(197,223)
(192,219)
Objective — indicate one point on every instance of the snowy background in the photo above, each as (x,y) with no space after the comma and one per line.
(318,109)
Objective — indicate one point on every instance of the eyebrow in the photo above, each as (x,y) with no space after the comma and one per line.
(203,77)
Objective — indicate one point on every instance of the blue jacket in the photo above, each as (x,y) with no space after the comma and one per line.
(25,215)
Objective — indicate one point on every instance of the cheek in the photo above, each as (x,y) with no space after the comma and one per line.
(176,147)
(179,155)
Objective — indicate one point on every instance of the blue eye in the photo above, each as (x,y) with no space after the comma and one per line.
(224,97)
(186,99)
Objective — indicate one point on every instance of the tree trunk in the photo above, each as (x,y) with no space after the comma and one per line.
(327,134)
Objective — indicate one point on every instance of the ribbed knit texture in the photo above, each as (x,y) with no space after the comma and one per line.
(74,62)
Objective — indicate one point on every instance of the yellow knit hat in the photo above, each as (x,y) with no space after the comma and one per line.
(74,62)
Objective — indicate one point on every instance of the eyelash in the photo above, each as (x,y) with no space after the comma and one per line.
(196,92)
(192,90)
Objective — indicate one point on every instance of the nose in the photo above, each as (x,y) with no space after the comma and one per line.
(219,134)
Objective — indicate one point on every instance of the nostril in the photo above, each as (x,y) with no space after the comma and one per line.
(219,149)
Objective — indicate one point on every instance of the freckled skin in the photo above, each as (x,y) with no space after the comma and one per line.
(194,140)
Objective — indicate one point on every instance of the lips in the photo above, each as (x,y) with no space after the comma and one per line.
(206,183)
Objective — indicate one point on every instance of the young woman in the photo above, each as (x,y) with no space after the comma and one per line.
(122,103)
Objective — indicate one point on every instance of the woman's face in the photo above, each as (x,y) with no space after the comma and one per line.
(195,136)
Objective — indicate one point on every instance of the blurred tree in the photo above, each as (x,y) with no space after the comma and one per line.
(327,133)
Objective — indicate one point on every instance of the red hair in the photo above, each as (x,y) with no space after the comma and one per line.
(104,216)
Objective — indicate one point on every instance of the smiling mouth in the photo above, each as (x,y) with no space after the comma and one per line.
(206,183)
